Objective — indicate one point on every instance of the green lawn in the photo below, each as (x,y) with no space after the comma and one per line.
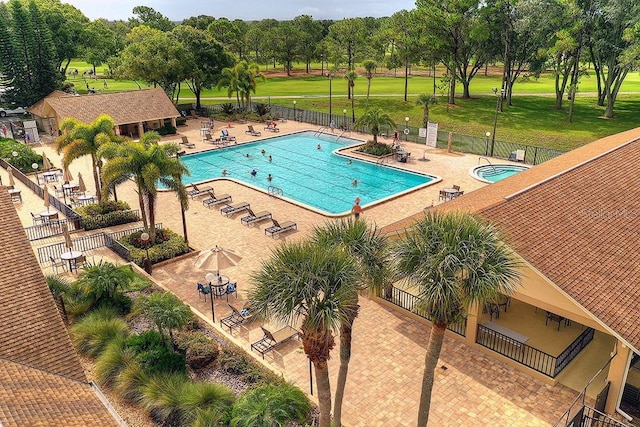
(531,120)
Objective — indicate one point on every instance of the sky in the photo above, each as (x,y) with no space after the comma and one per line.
(247,10)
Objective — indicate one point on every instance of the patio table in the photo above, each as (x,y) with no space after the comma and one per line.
(218,286)
(70,256)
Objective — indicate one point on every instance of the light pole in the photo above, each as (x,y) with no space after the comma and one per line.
(486,147)
(330,77)
(35,168)
(147,262)
(498,95)
(209,278)
(406,128)
(344,119)
(294,110)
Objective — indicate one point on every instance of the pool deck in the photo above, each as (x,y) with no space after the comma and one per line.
(383,387)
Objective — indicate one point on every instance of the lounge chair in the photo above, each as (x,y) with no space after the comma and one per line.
(236,318)
(186,143)
(195,192)
(517,156)
(225,137)
(278,228)
(272,340)
(235,208)
(251,131)
(213,200)
(273,127)
(208,138)
(255,217)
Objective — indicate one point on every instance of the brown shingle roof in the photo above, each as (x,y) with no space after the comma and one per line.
(576,219)
(123,107)
(36,353)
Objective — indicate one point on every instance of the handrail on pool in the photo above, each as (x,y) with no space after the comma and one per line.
(488,161)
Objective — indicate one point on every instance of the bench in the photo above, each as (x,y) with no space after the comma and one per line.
(272,340)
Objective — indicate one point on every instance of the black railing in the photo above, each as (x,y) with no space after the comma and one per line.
(465,143)
(409,302)
(83,244)
(529,356)
(17,174)
(52,228)
(572,351)
(588,416)
(117,247)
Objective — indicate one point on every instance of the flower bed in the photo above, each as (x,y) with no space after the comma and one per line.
(167,245)
(106,214)
(379,150)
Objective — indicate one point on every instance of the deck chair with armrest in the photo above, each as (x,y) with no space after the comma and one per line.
(234,209)
(213,200)
(208,138)
(251,131)
(196,192)
(255,217)
(186,143)
(278,228)
(456,187)
(203,290)
(225,137)
(273,127)
(37,219)
(236,318)
(272,340)
(58,264)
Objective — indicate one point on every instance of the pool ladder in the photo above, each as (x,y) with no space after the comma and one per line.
(274,191)
(320,131)
(488,161)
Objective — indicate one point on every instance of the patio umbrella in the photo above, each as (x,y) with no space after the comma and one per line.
(67,236)
(46,164)
(216,259)
(66,176)
(12,183)
(81,187)
(45,196)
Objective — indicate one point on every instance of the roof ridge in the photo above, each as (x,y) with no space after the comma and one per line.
(44,370)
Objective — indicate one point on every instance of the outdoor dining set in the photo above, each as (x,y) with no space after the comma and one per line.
(450,193)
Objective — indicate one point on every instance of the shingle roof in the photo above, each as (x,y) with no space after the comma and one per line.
(123,107)
(576,219)
(36,353)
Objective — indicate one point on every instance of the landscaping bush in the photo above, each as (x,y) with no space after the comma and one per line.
(166,130)
(153,356)
(162,250)
(112,361)
(261,109)
(272,404)
(379,149)
(95,331)
(26,156)
(102,285)
(106,214)
(228,108)
(199,350)
(237,363)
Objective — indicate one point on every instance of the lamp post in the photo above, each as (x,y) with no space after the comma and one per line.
(406,128)
(294,110)
(209,278)
(330,77)
(486,147)
(147,262)
(35,169)
(498,95)
(344,119)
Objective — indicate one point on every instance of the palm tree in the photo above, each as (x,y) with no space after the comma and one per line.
(79,139)
(351,77)
(148,163)
(370,250)
(453,260)
(425,100)
(370,67)
(314,284)
(241,79)
(165,310)
(374,120)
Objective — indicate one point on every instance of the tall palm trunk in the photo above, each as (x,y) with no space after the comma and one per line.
(324,392)
(143,210)
(345,357)
(96,176)
(430,363)
(152,217)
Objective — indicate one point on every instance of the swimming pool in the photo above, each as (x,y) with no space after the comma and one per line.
(320,179)
(495,173)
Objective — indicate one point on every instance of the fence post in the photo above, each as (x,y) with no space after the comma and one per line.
(449,142)
(535,156)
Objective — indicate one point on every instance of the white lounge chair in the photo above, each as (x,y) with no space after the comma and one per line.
(235,208)
(278,228)
(213,200)
(255,217)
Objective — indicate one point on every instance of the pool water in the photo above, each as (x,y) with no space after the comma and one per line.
(495,173)
(307,175)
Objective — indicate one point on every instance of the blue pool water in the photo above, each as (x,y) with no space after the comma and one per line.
(495,173)
(316,178)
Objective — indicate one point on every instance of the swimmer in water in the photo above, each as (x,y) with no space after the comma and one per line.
(253,172)
(319,147)
(247,155)
(224,172)
(269,177)
(263,152)
(270,159)
(349,162)
(354,182)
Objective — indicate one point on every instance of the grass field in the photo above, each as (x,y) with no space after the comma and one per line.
(532,119)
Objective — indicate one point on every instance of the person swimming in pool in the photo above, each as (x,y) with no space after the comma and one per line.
(253,172)
(354,182)
(319,147)
(247,155)
(349,161)
(269,177)
(270,159)
(224,172)
(263,152)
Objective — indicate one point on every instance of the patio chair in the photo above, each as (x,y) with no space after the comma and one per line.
(517,156)
(58,264)
(208,138)
(37,219)
(442,195)
(225,137)
(196,192)
(272,340)
(273,127)
(186,143)
(255,217)
(236,318)
(230,210)
(456,187)
(251,131)
(59,191)
(81,261)
(278,228)
(213,200)
(203,290)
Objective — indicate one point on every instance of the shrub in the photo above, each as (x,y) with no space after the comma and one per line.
(262,109)
(199,350)
(273,404)
(130,381)
(102,285)
(168,249)
(103,208)
(166,130)
(112,361)
(212,399)
(237,363)
(95,331)
(106,214)
(379,149)
(162,394)
(153,356)
(227,108)
(26,156)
